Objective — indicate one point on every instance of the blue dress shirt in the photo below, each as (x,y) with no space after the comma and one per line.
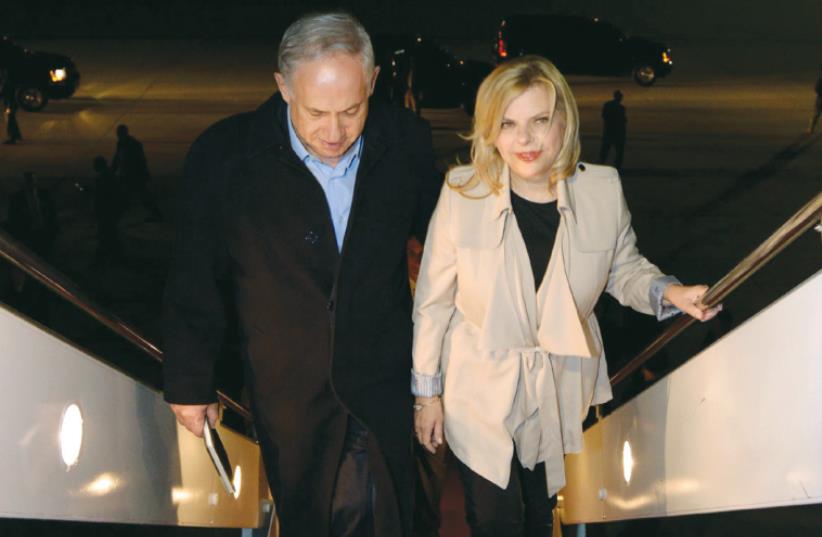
(336,181)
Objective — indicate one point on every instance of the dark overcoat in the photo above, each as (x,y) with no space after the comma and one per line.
(325,334)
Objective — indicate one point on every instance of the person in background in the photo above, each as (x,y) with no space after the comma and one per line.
(129,164)
(507,353)
(614,126)
(8,90)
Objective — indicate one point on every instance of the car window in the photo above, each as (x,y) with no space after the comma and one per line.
(539,35)
(431,52)
(612,32)
(603,35)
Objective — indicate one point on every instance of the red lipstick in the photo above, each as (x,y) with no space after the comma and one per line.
(528,156)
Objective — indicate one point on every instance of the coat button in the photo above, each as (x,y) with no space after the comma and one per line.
(311,237)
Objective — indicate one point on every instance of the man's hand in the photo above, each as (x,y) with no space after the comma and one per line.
(192,417)
(688,298)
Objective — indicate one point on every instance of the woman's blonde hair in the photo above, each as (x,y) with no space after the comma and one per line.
(505,83)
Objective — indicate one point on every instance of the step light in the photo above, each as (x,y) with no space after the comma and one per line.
(237,481)
(627,462)
(71,435)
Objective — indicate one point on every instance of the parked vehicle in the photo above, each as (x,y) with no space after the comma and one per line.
(37,76)
(437,79)
(580,45)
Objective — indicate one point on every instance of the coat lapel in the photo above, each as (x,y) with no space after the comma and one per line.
(506,324)
(284,201)
(374,148)
(561,331)
(560,328)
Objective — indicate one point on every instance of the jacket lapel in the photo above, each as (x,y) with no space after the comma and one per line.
(560,328)
(561,331)
(506,324)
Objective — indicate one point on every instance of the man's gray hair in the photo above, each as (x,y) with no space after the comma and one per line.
(313,36)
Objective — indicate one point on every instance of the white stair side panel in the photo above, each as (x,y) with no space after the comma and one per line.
(739,426)
(136,464)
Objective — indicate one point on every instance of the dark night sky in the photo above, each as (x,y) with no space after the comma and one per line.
(735,19)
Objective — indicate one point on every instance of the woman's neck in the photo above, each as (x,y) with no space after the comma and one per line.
(536,190)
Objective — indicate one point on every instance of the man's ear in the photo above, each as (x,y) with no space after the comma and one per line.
(374,80)
(283,87)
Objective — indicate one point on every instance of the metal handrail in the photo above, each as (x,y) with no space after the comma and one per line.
(27,261)
(795,226)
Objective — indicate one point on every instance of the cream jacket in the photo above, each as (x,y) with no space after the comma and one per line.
(521,364)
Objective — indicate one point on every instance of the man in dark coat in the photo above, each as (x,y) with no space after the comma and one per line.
(302,210)
(8,90)
(614,125)
(131,167)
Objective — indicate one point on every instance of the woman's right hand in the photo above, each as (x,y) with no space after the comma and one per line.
(428,418)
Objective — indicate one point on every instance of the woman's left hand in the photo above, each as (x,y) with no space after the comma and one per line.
(428,420)
(688,298)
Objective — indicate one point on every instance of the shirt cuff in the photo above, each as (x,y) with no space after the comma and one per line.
(426,385)
(658,285)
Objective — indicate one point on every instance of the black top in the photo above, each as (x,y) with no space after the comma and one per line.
(538,223)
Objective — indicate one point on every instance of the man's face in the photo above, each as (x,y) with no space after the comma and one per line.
(329,103)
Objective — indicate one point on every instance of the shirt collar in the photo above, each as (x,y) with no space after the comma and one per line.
(503,202)
(346,161)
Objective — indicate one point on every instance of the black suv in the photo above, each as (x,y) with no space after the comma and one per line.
(580,45)
(437,78)
(37,76)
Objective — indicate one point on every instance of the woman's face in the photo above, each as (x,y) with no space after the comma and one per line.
(531,133)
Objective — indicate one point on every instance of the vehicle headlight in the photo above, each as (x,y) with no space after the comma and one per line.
(58,75)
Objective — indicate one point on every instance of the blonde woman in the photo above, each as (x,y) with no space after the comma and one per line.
(507,352)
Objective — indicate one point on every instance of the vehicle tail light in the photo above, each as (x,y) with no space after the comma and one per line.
(58,75)
(502,48)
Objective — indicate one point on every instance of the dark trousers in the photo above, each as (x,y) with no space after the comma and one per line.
(138,189)
(619,145)
(352,507)
(523,509)
(109,247)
